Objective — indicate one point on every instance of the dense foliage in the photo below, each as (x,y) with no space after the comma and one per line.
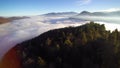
(86,46)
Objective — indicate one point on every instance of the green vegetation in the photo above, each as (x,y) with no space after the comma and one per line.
(86,46)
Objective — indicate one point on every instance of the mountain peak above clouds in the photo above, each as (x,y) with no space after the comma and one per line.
(61,14)
(86,13)
(100,13)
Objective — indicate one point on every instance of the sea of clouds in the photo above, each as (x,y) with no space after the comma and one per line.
(18,31)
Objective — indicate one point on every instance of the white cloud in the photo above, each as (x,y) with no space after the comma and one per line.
(111,10)
(83,2)
(20,30)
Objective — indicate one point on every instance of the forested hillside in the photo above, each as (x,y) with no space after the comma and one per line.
(86,46)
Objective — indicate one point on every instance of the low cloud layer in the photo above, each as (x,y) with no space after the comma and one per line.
(20,30)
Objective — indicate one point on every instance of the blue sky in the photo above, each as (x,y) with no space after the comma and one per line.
(37,7)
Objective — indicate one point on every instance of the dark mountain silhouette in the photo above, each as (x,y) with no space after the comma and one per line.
(86,46)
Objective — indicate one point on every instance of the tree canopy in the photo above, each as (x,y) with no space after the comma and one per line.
(86,46)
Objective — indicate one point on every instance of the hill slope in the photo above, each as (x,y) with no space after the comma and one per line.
(86,46)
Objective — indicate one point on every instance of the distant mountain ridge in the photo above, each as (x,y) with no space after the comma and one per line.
(68,15)
(9,19)
(4,20)
(61,14)
(86,13)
